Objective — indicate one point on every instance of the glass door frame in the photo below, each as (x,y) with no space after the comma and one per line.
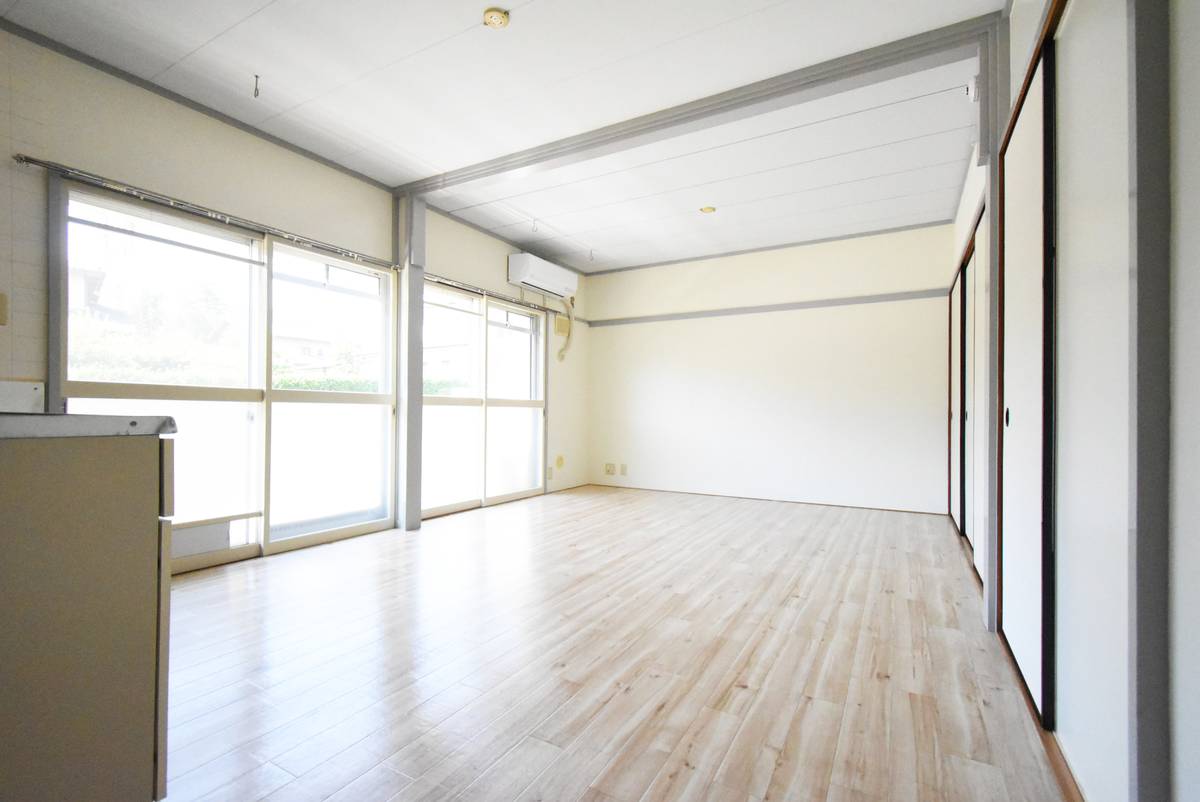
(273,396)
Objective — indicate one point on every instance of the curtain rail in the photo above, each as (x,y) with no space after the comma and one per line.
(91,179)
(459,285)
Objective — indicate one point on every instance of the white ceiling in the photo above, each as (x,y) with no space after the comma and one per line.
(887,155)
(406,89)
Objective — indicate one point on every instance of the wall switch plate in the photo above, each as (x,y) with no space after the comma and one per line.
(610,469)
(624,469)
(562,325)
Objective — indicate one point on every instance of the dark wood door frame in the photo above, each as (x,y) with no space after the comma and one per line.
(1045,707)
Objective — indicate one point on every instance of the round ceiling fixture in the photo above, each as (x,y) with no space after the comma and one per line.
(495,18)
(708,209)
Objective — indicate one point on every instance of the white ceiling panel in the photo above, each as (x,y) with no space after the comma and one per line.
(143,38)
(440,90)
(885,155)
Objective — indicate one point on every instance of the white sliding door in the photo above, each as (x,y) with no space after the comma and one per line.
(483,423)
(956,389)
(967,526)
(1022,535)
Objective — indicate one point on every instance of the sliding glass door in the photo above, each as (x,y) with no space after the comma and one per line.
(165,316)
(275,361)
(484,406)
(330,400)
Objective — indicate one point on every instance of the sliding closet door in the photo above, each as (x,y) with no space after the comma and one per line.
(956,403)
(967,526)
(1025,570)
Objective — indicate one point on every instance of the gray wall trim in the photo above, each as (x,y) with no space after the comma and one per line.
(903,56)
(854,300)
(1150,398)
(766,248)
(515,245)
(149,86)
(412,320)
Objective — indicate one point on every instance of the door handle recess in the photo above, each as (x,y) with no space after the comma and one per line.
(1006,416)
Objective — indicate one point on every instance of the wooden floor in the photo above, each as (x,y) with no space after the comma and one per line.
(603,644)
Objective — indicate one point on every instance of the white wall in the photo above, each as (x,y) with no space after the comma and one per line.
(1185,399)
(457,251)
(1024,26)
(1094,377)
(969,205)
(838,404)
(55,108)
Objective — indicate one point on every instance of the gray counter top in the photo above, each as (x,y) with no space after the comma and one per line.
(17,426)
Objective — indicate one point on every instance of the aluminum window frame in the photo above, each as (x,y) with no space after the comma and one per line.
(540,374)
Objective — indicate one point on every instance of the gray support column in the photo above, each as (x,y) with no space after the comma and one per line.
(1150,379)
(998,99)
(408,418)
(56,291)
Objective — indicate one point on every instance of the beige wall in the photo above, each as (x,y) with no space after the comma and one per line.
(462,253)
(55,108)
(1185,399)
(836,404)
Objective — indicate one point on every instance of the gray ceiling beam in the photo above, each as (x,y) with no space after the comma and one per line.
(894,59)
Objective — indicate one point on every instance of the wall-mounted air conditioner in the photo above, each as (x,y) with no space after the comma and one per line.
(534,273)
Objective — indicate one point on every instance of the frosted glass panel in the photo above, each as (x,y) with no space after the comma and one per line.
(451,455)
(218,465)
(329,466)
(148,312)
(514,450)
(331,325)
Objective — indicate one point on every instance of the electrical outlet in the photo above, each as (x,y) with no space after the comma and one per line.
(610,469)
(549,472)
(624,470)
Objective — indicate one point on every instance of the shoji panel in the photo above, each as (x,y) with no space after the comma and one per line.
(1026,571)
(956,294)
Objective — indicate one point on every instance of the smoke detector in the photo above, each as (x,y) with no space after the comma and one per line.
(495,18)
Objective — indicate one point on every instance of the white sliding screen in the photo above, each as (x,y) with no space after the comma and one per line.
(484,407)
(1026,571)
(956,391)
(967,524)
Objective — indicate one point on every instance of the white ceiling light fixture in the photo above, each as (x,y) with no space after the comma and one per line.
(495,18)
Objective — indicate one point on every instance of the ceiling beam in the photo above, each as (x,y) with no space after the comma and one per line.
(892,60)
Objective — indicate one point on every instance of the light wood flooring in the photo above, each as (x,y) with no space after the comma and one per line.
(605,645)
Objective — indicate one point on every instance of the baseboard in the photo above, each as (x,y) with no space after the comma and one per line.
(763,498)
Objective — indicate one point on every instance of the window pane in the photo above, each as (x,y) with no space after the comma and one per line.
(329,466)
(453,348)
(331,326)
(147,312)
(514,450)
(451,455)
(158,224)
(514,355)
(218,464)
